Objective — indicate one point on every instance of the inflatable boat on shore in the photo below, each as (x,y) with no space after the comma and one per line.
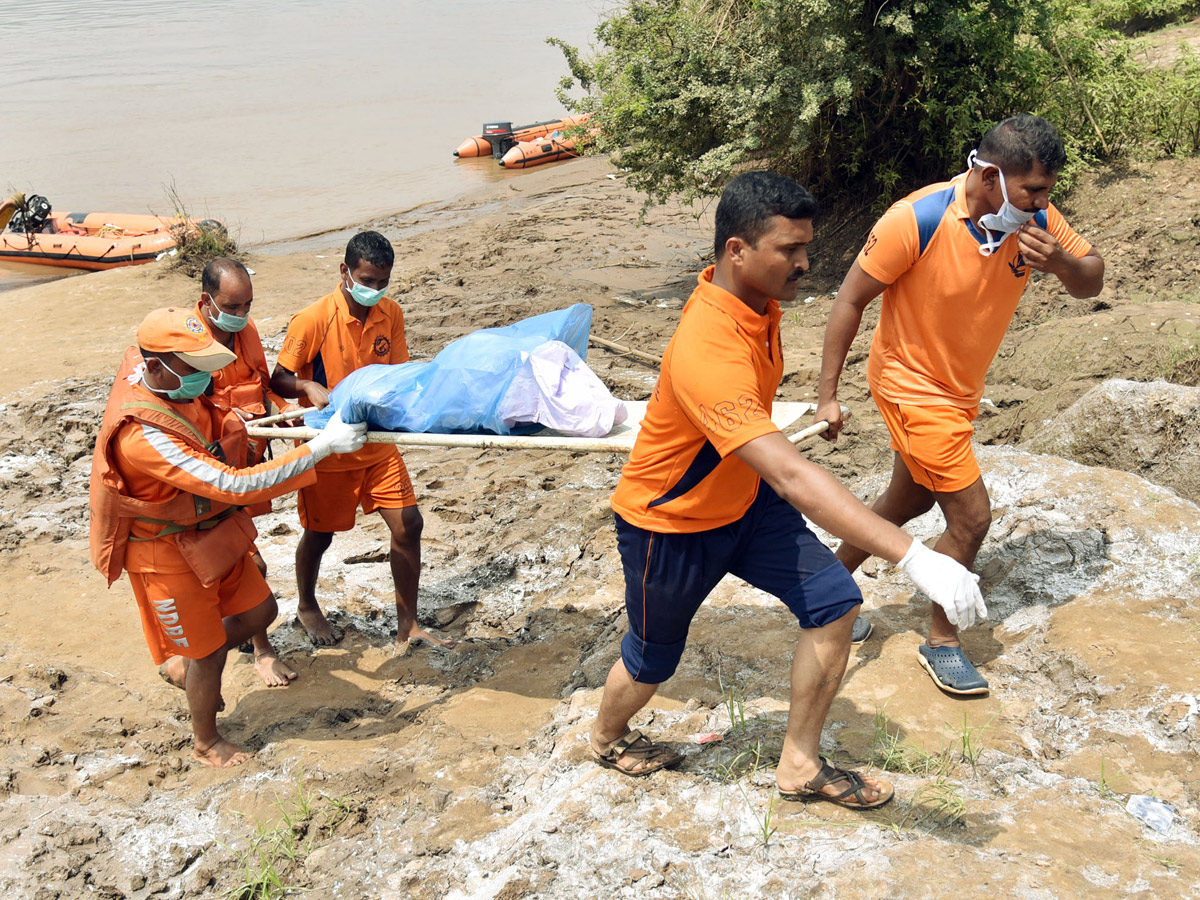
(550,148)
(89,240)
(497,137)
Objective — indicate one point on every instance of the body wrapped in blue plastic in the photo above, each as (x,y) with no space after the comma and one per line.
(459,390)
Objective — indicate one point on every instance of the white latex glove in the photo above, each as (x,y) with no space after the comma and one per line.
(338,437)
(947,582)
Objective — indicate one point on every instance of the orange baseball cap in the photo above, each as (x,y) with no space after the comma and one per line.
(180,331)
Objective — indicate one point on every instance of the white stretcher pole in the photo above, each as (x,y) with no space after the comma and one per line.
(487,441)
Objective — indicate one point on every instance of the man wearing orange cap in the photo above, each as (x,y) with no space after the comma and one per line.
(168,484)
(242,386)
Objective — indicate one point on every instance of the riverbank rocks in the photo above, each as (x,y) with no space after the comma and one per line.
(1149,428)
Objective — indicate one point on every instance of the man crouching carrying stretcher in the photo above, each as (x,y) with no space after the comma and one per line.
(713,488)
(167,489)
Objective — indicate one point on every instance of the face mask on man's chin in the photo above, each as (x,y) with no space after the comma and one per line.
(998,225)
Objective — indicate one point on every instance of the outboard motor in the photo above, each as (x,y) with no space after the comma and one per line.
(500,136)
(33,217)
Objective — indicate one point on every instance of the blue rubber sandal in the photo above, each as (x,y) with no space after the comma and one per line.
(951,670)
(861,630)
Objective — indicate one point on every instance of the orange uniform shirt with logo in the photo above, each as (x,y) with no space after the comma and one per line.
(156,466)
(946,307)
(714,395)
(325,343)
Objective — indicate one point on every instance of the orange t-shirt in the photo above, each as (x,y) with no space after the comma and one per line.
(714,395)
(325,343)
(155,465)
(946,307)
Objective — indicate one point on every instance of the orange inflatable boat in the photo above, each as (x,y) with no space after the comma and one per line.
(524,154)
(497,137)
(89,240)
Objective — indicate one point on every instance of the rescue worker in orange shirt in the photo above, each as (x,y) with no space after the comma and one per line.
(713,488)
(352,327)
(168,483)
(951,261)
(242,386)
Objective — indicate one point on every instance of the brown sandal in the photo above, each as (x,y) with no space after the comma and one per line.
(641,750)
(851,798)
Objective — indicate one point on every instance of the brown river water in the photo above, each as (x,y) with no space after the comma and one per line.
(282,119)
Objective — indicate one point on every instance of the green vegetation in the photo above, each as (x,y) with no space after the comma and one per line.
(767,825)
(1111,783)
(941,802)
(891,753)
(196,243)
(735,704)
(1182,364)
(1132,16)
(966,740)
(863,100)
(274,850)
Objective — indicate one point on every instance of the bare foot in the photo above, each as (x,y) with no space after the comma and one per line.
(416,633)
(320,632)
(221,755)
(174,673)
(272,670)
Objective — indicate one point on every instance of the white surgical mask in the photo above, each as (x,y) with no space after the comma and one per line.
(190,386)
(998,225)
(363,295)
(227,321)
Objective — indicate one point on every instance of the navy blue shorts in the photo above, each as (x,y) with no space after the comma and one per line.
(668,576)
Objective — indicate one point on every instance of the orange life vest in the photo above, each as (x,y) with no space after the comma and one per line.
(111,513)
(251,395)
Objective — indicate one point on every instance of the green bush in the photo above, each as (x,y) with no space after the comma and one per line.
(859,100)
(1176,111)
(1132,16)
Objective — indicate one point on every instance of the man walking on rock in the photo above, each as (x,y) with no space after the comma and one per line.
(712,487)
(951,261)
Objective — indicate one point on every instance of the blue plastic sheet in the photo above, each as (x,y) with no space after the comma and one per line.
(460,389)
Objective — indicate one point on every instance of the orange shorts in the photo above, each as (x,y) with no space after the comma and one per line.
(934,442)
(181,617)
(331,503)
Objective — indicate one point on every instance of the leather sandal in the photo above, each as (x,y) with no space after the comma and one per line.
(853,797)
(642,755)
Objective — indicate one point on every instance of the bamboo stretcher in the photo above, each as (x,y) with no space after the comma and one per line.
(619,440)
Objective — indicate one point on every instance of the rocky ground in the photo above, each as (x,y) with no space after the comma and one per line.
(465,774)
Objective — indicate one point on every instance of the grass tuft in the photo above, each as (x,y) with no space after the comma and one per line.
(1111,781)
(196,244)
(273,851)
(893,754)
(735,704)
(1182,365)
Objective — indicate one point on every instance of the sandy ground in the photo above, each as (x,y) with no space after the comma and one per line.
(465,774)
